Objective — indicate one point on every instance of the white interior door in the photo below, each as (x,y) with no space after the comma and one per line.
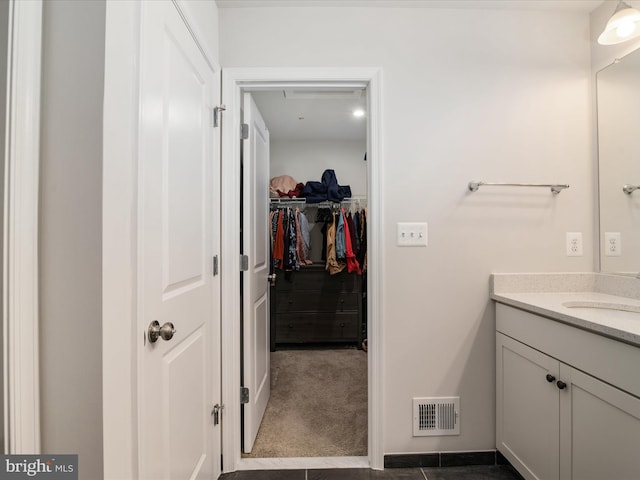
(178,234)
(255,280)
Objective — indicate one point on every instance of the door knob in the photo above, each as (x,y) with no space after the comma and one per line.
(155,331)
(272,279)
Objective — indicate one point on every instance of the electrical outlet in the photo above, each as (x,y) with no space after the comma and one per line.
(412,234)
(612,244)
(574,244)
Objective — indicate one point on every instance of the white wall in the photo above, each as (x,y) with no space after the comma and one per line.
(489,95)
(306,160)
(70,231)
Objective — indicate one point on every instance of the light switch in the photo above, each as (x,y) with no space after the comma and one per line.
(412,234)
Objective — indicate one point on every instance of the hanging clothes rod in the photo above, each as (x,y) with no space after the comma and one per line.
(555,187)
(302,201)
(629,189)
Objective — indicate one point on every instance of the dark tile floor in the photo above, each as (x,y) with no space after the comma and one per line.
(480,472)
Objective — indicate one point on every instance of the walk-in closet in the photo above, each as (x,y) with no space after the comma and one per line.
(317,294)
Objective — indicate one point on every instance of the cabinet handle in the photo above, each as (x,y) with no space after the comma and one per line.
(561,385)
(550,378)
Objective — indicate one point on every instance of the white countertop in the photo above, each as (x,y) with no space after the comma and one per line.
(546,294)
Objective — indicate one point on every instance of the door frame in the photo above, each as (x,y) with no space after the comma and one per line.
(122,341)
(21,388)
(233,81)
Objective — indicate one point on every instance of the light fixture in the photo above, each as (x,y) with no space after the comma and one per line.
(623,25)
(358,113)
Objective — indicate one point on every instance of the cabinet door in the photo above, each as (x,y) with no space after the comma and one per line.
(527,409)
(600,432)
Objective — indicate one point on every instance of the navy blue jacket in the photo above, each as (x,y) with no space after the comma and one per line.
(328,189)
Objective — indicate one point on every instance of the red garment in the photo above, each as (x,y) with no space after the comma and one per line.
(278,246)
(292,193)
(352,263)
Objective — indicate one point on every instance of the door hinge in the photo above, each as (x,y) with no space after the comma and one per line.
(217,114)
(215,413)
(244,131)
(215,265)
(244,263)
(244,395)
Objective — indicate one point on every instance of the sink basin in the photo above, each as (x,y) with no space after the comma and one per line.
(603,305)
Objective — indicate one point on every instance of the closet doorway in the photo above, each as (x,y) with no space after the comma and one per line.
(304,340)
(236,82)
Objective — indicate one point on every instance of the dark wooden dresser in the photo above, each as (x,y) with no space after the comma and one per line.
(312,306)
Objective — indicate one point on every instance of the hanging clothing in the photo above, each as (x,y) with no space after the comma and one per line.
(333,265)
(341,252)
(278,243)
(356,223)
(344,240)
(273,218)
(300,248)
(352,233)
(291,257)
(306,233)
(352,263)
(362,255)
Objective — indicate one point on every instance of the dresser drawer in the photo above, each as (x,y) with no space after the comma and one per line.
(313,301)
(317,279)
(316,327)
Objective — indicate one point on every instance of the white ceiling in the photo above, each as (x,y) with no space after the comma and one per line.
(558,5)
(313,114)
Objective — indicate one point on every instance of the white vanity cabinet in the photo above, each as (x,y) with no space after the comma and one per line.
(560,415)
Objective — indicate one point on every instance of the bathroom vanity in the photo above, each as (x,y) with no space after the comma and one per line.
(568,375)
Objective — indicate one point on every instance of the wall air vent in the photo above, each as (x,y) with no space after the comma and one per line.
(435,416)
(328,93)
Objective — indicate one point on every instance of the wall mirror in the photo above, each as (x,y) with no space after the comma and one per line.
(618,102)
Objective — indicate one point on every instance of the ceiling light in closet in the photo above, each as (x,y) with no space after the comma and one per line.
(623,25)
(358,113)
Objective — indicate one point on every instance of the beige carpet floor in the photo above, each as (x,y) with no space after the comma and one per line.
(318,405)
